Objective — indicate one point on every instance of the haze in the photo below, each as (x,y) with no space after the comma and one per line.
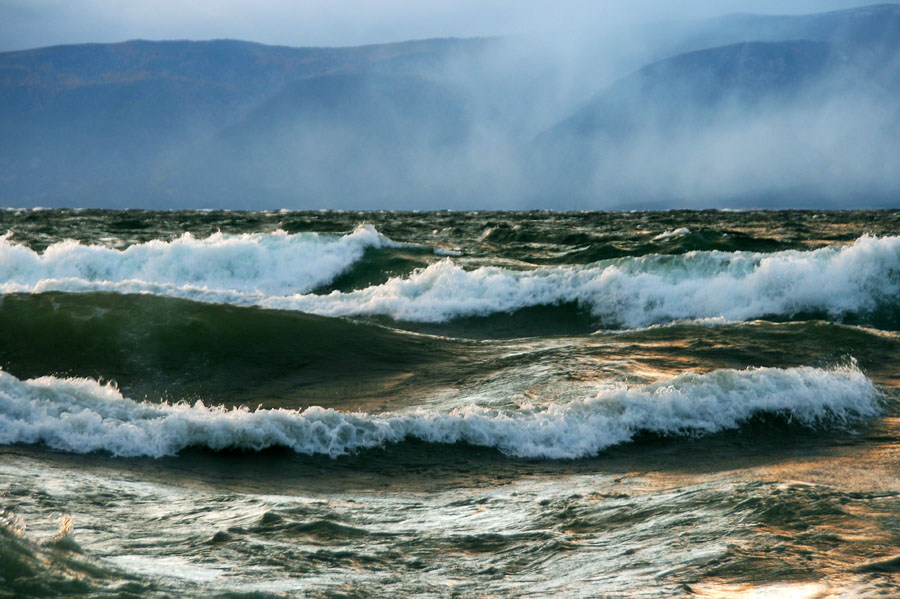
(510,105)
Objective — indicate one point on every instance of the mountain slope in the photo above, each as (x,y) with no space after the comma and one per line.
(104,124)
(677,91)
(363,137)
(875,27)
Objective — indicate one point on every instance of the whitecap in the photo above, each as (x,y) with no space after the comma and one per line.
(257,264)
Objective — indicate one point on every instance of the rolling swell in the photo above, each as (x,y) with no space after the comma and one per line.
(157,347)
(82,416)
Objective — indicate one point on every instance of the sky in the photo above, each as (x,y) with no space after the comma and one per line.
(36,23)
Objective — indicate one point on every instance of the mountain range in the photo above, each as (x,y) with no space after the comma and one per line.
(743,110)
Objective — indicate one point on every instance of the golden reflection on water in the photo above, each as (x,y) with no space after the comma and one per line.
(773,591)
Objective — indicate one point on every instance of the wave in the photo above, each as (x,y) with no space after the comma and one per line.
(82,415)
(248,264)
(857,283)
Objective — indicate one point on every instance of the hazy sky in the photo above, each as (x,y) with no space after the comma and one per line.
(35,23)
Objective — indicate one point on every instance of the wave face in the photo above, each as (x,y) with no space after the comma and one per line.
(248,264)
(82,415)
(858,283)
(157,347)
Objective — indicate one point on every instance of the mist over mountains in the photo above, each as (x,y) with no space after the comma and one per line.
(739,111)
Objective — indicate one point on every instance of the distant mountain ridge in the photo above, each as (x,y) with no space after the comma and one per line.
(222,61)
(874,25)
(441,122)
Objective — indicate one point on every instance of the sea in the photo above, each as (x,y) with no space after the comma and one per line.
(449,404)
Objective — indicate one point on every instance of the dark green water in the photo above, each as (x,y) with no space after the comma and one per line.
(346,404)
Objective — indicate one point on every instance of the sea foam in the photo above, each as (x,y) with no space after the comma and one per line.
(254,264)
(82,415)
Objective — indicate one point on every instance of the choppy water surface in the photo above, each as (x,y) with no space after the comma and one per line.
(661,404)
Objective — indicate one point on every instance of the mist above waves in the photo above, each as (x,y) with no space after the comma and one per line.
(737,111)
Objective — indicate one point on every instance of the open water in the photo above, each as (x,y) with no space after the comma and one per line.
(445,404)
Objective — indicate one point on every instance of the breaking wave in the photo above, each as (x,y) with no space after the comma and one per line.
(254,264)
(82,415)
(861,280)
(858,283)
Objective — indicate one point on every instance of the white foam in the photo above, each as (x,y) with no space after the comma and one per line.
(256,265)
(681,232)
(81,415)
(450,252)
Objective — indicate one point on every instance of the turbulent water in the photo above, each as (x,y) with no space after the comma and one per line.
(381,404)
